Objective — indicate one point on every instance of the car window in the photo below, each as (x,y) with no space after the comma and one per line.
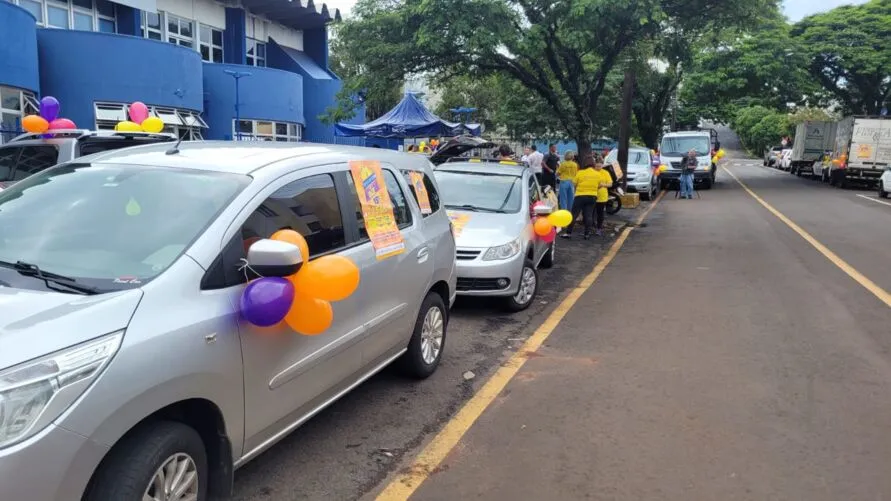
(432,194)
(401,209)
(33,160)
(480,191)
(308,206)
(90,147)
(7,161)
(680,145)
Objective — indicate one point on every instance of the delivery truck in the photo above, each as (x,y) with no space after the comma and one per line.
(861,153)
(812,140)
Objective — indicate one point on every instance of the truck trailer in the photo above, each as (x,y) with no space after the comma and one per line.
(861,153)
(812,140)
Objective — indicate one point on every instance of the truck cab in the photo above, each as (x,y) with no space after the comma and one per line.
(675,146)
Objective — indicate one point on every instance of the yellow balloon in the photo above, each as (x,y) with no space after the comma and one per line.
(561,218)
(663,168)
(128,126)
(153,125)
(720,153)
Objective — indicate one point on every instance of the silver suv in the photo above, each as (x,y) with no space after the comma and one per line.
(126,371)
(31,153)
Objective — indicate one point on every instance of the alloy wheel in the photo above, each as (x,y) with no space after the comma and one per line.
(527,286)
(175,480)
(431,335)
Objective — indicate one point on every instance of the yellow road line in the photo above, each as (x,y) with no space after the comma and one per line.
(405,484)
(858,277)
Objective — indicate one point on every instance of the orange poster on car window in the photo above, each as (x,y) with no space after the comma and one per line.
(417,181)
(377,209)
(459,221)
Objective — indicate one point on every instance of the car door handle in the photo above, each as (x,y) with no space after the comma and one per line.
(423,254)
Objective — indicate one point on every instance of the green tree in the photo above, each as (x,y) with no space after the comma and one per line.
(849,51)
(759,127)
(562,51)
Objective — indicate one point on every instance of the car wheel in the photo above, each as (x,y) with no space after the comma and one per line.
(528,288)
(162,460)
(824,177)
(707,184)
(428,339)
(547,261)
(882,192)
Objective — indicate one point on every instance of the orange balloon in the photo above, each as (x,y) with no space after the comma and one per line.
(542,227)
(332,278)
(292,237)
(309,316)
(35,124)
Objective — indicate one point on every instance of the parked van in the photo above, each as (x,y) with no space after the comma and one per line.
(676,145)
(124,354)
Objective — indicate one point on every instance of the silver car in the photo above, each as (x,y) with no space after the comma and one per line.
(490,204)
(643,174)
(126,372)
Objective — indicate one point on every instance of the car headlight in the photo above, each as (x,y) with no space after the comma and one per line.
(505,251)
(35,393)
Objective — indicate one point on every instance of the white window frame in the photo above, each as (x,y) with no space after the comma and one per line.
(196,42)
(209,43)
(184,123)
(72,10)
(255,59)
(146,30)
(181,40)
(28,105)
(294,131)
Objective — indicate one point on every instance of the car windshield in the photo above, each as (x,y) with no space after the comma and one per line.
(677,146)
(110,227)
(482,192)
(635,157)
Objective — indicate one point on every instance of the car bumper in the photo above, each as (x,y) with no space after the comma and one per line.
(54,465)
(698,176)
(640,186)
(480,278)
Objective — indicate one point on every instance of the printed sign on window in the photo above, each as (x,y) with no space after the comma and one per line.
(417,181)
(377,208)
(459,221)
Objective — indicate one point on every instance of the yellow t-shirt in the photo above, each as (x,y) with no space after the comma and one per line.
(587,183)
(567,170)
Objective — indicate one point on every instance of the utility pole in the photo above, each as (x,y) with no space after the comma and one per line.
(237,75)
(625,124)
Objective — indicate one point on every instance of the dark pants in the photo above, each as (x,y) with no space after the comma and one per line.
(600,208)
(547,179)
(584,205)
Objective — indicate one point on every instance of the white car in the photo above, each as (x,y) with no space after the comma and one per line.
(785,160)
(885,184)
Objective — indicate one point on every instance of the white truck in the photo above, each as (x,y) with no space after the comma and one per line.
(812,140)
(861,153)
(676,145)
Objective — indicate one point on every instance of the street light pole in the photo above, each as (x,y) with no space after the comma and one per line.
(237,75)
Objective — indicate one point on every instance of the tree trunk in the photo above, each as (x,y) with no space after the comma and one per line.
(583,142)
(625,125)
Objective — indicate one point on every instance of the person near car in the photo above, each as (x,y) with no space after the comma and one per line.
(505,153)
(526,152)
(549,167)
(688,166)
(535,161)
(591,194)
(566,173)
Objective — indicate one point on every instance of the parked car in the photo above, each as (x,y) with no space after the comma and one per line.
(491,205)
(31,153)
(676,145)
(124,358)
(885,183)
(643,178)
(785,160)
(771,155)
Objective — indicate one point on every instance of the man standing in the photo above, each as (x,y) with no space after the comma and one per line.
(525,157)
(688,166)
(535,160)
(549,168)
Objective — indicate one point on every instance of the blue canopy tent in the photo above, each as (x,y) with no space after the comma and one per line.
(473,129)
(409,118)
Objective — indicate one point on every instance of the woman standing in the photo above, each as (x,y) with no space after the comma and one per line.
(591,195)
(566,173)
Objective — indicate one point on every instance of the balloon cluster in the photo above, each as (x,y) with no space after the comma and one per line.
(718,156)
(48,120)
(546,227)
(140,121)
(302,300)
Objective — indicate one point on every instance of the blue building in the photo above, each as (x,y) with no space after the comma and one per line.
(185,59)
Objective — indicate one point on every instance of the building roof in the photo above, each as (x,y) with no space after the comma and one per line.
(297,14)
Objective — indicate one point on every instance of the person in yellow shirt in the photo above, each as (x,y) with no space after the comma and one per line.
(566,172)
(591,194)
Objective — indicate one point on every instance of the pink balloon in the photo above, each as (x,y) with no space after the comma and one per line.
(61,123)
(138,112)
(550,237)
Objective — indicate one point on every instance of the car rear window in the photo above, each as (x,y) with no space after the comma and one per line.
(90,147)
(19,162)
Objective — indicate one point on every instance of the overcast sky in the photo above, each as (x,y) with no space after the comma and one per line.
(795,9)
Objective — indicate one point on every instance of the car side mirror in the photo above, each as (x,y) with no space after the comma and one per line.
(542,210)
(274,258)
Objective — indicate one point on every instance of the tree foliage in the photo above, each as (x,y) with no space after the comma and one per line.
(849,53)
(759,127)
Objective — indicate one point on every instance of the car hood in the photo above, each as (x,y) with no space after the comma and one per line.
(638,169)
(482,230)
(36,323)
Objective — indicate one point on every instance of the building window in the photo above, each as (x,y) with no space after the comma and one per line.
(179,31)
(186,124)
(151,25)
(14,105)
(85,15)
(211,40)
(266,130)
(256,53)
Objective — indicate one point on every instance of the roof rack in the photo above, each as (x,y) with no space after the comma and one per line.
(80,133)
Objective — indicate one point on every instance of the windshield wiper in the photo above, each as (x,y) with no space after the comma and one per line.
(472,208)
(32,270)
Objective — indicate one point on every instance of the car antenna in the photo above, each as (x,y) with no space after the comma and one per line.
(175,149)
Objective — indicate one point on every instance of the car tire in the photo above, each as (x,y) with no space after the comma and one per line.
(824,176)
(547,261)
(427,340)
(882,192)
(516,302)
(707,184)
(130,468)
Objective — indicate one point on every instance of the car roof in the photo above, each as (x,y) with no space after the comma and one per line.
(247,157)
(688,133)
(484,168)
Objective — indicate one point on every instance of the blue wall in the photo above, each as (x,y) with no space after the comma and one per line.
(234,42)
(80,67)
(18,48)
(268,94)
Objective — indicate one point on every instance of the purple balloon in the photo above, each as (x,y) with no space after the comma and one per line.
(49,108)
(266,301)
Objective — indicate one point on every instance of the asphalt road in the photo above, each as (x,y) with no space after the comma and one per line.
(718,356)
